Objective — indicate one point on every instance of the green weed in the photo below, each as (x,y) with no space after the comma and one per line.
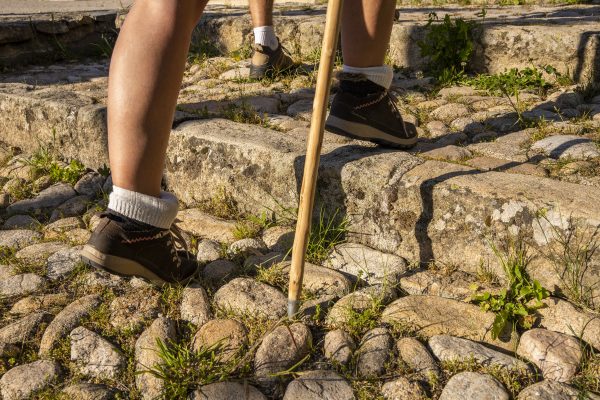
(251,226)
(45,163)
(325,235)
(274,275)
(448,45)
(513,80)
(221,205)
(514,380)
(515,304)
(182,369)
(573,259)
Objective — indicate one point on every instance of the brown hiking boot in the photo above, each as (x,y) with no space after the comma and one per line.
(125,247)
(366,111)
(266,61)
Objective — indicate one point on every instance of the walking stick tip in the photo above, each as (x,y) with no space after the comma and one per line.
(292,308)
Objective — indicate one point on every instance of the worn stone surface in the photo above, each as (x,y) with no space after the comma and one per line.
(403,389)
(94,355)
(432,315)
(44,302)
(473,385)
(247,296)
(321,281)
(230,334)
(358,302)
(227,391)
(89,391)
(567,147)
(448,348)
(279,238)
(73,207)
(20,222)
(130,310)
(206,226)
(449,153)
(90,184)
(63,262)
(195,305)
(46,200)
(456,285)
(39,252)
(373,353)
(319,385)
(18,238)
(67,320)
(338,346)
(21,381)
(557,355)
(208,251)
(146,356)
(220,271)
(64,225)
(414,354)
(20,285)
(247,247)
(280,349)
(23,329)
(561,316)
(361,262)
(549,390)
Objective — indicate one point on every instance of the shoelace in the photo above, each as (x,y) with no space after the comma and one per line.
(386,94)
(177,242)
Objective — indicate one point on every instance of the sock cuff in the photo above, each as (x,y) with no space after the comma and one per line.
(381,75)
(156,211)
(265,36)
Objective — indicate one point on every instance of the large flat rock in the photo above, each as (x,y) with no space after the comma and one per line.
(509,37)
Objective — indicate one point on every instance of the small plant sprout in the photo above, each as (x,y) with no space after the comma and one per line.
(522,296)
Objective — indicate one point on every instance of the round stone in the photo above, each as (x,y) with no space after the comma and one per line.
(319,385)
(227,391)
(281,349)
(339,346)
(94,355)
(374,352)
(556,354)
(473,385)
(220,271)
(195,305)
(230,334)
(21,382)
(245,296)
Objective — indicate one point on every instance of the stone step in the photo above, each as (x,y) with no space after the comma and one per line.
(396,202)
(565,37)
(519,36)
(40,38)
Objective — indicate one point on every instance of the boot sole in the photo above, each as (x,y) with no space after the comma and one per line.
(123,267)
(355,130)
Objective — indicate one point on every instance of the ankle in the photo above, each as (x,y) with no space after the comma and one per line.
(265,36)
(159,212)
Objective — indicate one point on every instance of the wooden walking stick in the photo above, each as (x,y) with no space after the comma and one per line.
(313,152)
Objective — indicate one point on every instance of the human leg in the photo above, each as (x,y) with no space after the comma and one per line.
(268,55)
(363,109)
(135,236)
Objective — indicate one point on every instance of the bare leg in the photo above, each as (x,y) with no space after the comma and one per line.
(366,30)
(261,12)
(145,76)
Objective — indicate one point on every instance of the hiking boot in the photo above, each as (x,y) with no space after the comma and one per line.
(366,111)
(266,61)
(125,247)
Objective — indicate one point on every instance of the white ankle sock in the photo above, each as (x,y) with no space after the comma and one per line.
(156,211)
(382,75)
(265,36)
